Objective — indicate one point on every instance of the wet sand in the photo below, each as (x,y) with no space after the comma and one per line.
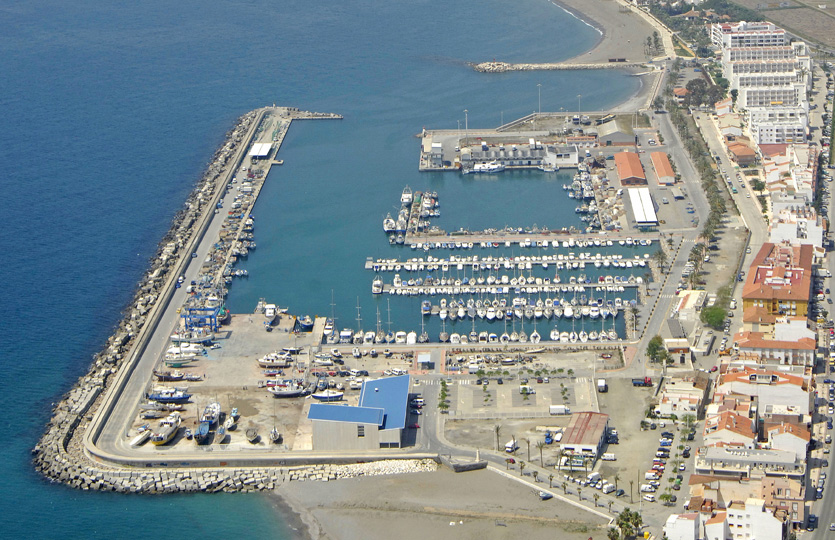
(473,505)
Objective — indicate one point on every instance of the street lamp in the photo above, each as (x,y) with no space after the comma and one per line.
(539,88)
(578,102)
(466,129)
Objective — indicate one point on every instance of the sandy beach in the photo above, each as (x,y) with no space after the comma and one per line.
(473,505)
(623,34)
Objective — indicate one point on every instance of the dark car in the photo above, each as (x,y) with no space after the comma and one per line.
(653,426)
(689,436)
(667,435)
(478,382)
(685,454)
(500,381)
(363,373)
(620,493)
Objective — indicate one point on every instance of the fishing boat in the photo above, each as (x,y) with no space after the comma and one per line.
(388,224)
(211,413)
(167,429)
(234,413)
(275,436)
(406,196)
(328,326)
(287,390)
(535,337)
(169,376)
(305,323)
(230,423)
(201,433)
(169,395)
(252,435)
(328,395)
(195,335)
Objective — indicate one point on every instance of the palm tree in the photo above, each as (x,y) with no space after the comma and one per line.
(610,506)
(559,459)
(596,498)
(521,468)
(540,445)
(507,462)
(617,477)
(580,493)
(535,475)
(550,481)
(631,485)
(498,429)
(565,488)
(586,462)
(529,448)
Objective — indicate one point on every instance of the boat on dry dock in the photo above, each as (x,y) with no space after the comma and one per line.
(168,428)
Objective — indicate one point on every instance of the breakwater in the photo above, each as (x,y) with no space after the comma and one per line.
(58,454)
(502,67)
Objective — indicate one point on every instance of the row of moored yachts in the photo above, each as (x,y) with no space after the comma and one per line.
(521,308)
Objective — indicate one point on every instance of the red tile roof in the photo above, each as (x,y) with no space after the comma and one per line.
(629,165)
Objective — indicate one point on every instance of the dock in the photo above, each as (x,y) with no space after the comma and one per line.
(503,67)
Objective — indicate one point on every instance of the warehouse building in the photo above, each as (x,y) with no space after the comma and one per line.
(585,434)
(376,422)
(630,170)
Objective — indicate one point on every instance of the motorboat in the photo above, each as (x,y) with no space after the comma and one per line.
(328,395)
(167,429)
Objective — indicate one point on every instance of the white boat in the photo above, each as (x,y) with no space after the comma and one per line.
(535,337)
(328,395)
(489,167)
(270,311)
(389,224)
(377,285)
(555,334)
(140,439)
(406,196)
(230,424)
(400,337)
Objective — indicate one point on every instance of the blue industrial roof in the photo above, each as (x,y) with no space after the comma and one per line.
(390,394)
(345,413)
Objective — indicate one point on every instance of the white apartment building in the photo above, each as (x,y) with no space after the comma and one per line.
(786,96)
(753,521)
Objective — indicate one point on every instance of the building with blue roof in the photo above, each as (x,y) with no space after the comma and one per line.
(376,422)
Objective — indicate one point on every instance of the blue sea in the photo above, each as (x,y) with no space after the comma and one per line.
(110,112)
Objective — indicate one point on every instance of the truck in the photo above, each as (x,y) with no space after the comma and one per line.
(645,381)
(602,386)
(511,446)
(559,409)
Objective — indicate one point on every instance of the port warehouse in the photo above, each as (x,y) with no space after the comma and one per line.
(663,168)
(532,154)
(585,434)
(642,207)
(260,150)
(376,422)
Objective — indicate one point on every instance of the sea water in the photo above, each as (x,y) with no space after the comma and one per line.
(111,110)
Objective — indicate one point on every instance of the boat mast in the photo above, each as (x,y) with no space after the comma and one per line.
(388,303)
(359,317)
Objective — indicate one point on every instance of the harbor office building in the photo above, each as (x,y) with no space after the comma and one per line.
(376,422)
(534,154)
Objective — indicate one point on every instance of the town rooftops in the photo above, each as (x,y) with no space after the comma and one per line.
(757,340)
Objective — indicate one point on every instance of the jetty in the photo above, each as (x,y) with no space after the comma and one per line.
(503,67)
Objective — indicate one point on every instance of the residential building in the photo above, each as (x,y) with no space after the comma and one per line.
(791,437)
(785,494)
(780,279)
(749,463)
(683,395)
(795,224)
(682,527)
(775,351)
(752,520)
(730,428)
(769,387)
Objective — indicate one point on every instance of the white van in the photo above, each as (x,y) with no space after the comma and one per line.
(648,488)
(594,477)
(608,488)
(609,457)
(649,497)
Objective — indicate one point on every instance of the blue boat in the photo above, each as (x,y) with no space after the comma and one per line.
(169,396)
(305,323)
